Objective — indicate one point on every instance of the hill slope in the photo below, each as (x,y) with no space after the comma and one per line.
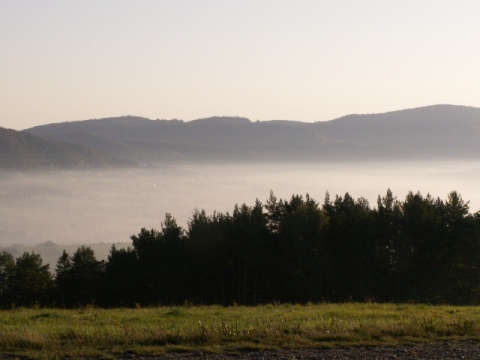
(433,132)
(23,150)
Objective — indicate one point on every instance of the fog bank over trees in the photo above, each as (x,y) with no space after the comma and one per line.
(88,207)
(293,250)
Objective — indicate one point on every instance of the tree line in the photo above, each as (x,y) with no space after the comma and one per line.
(296,250)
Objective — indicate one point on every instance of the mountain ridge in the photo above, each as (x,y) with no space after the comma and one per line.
(424,133)
(26,151)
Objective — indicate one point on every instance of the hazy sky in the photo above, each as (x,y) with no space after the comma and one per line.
(272,59)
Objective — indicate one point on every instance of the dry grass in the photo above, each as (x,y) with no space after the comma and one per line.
(53,333)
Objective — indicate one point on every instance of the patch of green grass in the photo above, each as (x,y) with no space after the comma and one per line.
(50,334)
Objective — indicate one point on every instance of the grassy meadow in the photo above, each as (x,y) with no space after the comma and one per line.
(56,333)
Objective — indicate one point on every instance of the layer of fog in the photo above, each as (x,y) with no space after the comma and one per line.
(87,207)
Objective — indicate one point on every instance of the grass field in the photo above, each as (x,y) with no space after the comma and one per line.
(54,333)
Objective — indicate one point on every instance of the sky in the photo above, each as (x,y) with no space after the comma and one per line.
(309,60)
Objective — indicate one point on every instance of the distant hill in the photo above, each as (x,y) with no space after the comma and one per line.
(26,151)
(432,132)
(437,132)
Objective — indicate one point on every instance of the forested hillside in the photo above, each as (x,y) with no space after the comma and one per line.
(296,250)
(21,150)
(440,132)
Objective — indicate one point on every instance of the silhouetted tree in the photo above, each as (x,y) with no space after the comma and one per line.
(79,278)
(301,233)
(161,257)
(460,252)
(31,282)
(388,218)
(7,265)
(248,242)
(63,282)
(351,245)
(206,249)
(122,282)
(424,239)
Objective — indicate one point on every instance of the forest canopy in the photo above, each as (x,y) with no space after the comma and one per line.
(295,250)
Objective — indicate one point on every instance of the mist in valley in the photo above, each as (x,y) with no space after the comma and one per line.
(108,206)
